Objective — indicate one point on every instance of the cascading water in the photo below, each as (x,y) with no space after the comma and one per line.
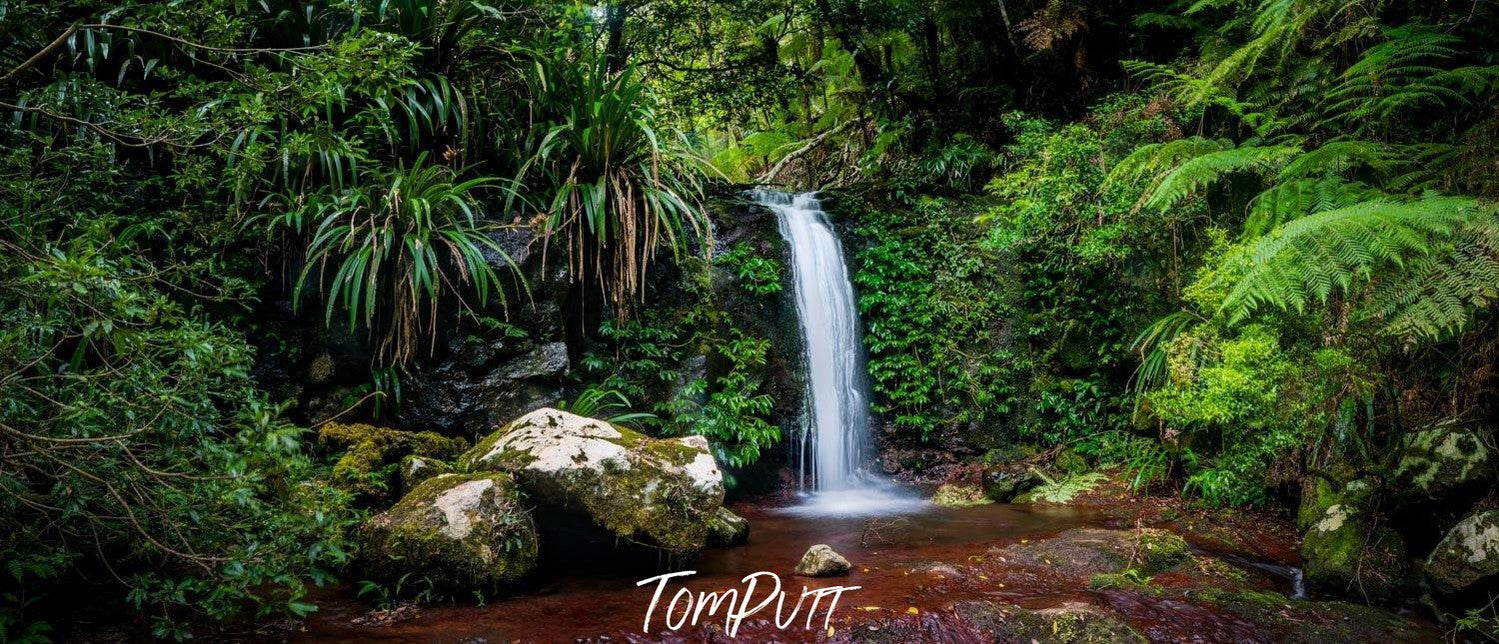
(836,441)
(838,408)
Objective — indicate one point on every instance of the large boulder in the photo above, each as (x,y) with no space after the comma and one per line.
(455,531)
(1468,554)
(1349,550)
(1439,460)
(658,491)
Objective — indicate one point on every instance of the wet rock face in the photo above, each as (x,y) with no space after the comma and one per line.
(660,491)
(822,561)
(1440,460)
(458,532)
(1469,553)
(1350,551)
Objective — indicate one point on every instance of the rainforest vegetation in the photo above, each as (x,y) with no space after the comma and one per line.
(257,256)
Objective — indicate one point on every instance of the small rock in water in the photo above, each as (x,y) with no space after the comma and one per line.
(822,561)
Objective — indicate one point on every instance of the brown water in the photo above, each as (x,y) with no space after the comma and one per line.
(899,563)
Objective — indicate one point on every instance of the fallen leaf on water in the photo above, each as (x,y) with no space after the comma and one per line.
(830,631)
(912,611)
(868,608)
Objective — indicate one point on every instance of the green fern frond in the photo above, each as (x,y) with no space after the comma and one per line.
(1337,251)
(1183,168)
(1298,198)
(1436,294)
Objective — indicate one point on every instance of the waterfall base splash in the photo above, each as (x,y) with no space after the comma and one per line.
(870,501)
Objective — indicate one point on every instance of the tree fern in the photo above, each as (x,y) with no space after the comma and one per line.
(1341,250)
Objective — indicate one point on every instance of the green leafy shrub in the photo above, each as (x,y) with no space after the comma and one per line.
(133,432)
(756,274)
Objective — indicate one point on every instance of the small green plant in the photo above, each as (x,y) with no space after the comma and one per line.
(387,596)
(1063,490)
(605,404)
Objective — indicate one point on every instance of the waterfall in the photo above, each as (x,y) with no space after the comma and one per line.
(837,431)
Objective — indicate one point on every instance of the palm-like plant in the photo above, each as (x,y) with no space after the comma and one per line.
(397,249)
(607,179)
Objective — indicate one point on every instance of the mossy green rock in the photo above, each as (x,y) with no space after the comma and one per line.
(658,491)
(958,495)
(727,529)
(1467,554)
(1003,483)
(1070,462)
(1071,623)
(1349,551)
(416,468)
(1441,459)
(370,449)
(459,532)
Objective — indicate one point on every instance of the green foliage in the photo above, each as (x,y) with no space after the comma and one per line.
(605,404)
(758,275)
(933,300)
(132,428)
(732,417)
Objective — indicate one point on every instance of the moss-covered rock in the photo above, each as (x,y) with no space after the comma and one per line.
(1003,483)
(1070,623)
(1348,550)
(1092,551)
(1070,461)
(958,495)
(416,468)
(364,467)
(658,491)
(1317,494)
(727,529)
(1467,554)
(1439,460)
(456,532)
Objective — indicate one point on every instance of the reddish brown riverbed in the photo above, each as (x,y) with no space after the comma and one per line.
(909,571)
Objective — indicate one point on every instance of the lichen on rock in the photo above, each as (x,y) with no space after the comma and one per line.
(658,491)
(1467,554)
(1441,459)
(416,468)
(727,529)
(457,532)
(1348,550)
(957,495)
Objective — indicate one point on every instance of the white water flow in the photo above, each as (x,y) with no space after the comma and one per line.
(836,442)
